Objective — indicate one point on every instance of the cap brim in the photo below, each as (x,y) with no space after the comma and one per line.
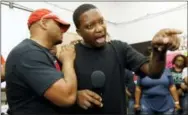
(65,25)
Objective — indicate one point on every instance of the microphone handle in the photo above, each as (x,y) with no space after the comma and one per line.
(98,91)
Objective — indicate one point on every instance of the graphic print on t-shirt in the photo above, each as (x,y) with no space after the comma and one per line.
(177,77)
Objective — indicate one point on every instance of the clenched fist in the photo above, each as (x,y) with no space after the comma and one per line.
(166,39)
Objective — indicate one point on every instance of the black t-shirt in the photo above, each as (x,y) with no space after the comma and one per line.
(107,60)
(30,71)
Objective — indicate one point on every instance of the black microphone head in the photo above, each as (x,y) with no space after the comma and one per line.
(98,79)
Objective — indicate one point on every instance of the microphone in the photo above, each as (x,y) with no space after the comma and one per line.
(98,81)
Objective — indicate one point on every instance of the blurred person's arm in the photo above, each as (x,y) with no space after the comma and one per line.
(183,86)
(175,96)
(2,72)
(174,92)
(128,93)
(138,93)
(2,69)
(179,92)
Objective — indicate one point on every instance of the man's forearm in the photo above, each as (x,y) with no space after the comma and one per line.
(70,77)
(157,64)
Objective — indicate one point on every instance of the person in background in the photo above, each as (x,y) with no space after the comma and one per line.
(2,69)
(94,53)
(184,98)
(35,82)
(131,81)
(179,63)
(157,96)
(185,70)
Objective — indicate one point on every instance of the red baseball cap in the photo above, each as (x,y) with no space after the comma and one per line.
(46,14)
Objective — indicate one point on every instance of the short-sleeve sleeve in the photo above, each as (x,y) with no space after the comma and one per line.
(133,59)
(36,70)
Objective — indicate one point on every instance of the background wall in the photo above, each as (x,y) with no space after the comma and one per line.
(155,18)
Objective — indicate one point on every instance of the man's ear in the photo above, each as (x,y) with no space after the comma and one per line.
(43,24)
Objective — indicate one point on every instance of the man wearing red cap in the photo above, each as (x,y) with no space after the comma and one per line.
(36,83)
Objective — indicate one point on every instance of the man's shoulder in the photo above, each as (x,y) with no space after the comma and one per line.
(119,43)
(23,48)
(27,44)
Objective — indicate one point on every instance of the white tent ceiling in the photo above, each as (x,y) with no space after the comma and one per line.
(114,12)
(125,18)
(118,12)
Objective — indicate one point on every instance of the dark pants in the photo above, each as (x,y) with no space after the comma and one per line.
(184,104)
(131,106)
(147,110)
